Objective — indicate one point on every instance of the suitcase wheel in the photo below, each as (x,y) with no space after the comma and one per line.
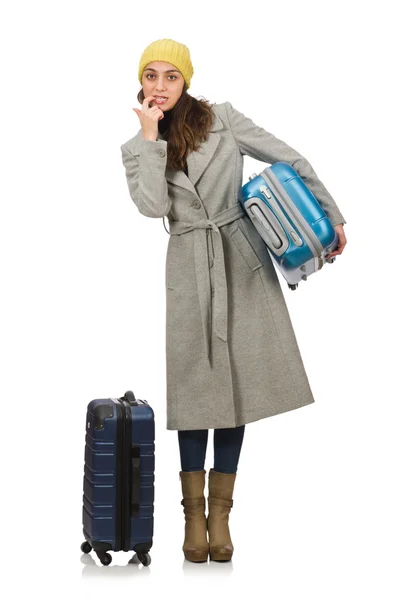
(292,286)
(105,558)
(86,547)
(145,559)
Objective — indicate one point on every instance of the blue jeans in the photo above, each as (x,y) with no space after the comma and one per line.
(227,446)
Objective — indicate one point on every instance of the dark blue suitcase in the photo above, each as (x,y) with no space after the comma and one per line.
(118,498)
(290,220)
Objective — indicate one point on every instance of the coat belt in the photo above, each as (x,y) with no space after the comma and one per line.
(201,259)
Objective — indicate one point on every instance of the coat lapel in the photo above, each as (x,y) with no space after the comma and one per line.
(197,161)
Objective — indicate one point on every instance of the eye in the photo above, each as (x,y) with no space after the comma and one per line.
(150,75)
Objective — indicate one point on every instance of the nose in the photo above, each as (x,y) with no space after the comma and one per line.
(160,85)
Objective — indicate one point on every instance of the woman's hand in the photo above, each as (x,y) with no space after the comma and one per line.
(342,240)
(149,118)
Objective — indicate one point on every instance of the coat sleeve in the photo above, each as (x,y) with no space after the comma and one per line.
(145,172)
(264,146)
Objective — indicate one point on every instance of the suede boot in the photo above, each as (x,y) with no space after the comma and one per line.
(220,501)
(195,545)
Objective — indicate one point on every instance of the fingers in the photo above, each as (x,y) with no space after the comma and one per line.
(338,250)
(152,111)
(341,241)
(146,101)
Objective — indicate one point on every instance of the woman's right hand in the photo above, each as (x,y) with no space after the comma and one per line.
(149,118)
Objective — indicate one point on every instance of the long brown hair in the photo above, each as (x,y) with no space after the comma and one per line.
(191,121)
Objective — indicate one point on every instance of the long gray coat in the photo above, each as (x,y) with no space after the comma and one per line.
(231,352)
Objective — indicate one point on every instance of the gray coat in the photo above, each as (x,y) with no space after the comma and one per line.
(231,352)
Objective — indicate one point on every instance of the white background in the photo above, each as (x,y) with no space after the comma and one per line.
(83,295)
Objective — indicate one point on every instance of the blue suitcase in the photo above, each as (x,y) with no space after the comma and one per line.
(118,498)
(290,220)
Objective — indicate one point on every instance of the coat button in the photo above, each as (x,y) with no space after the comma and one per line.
(196,204)
(161,152)
(211,263)
(212,292)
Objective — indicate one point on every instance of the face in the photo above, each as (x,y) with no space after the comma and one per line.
(161,78)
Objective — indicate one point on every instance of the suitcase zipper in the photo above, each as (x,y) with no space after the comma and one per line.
(126,491)
(119,543)
(123,477)
(278,191)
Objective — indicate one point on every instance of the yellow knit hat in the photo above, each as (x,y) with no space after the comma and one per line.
(169,51)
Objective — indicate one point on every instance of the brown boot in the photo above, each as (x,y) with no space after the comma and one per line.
(195,546)
(220,501)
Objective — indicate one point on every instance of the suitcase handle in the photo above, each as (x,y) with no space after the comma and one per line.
(130,397)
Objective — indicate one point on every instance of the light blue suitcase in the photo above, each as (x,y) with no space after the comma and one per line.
(290,220)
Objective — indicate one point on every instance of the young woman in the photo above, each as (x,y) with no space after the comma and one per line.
(231,352)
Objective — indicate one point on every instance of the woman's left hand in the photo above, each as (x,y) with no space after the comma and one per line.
(342,240)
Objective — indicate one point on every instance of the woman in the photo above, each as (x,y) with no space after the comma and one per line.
(232,356)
